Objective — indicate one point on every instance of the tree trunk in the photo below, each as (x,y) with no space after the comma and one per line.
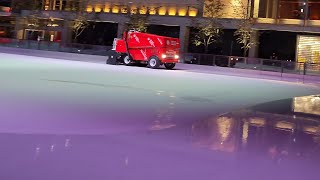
(245,52)
(75,40)
(206,49)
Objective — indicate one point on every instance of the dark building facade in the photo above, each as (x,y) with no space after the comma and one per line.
(298,21)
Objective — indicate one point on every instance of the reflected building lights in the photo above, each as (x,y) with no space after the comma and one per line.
(52,147)
(245,132)
(284,125)
(259,128)
(255,121)
(126,161)
(312,130)
(67,143)
(224,127)
(164,114)
(307,105)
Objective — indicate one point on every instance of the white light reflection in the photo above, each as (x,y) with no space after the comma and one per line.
(52,147)
(37,152)
(224,127)
(164,113)
(245,132)
(159,92)
(67,143)
(126,161)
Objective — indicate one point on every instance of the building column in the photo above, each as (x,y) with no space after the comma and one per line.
(52,4)
(256,8)
(184,38)
(66,32)
(19,28)
(275,8)
(68,6)
(200,8)
(253,51)
(121,29)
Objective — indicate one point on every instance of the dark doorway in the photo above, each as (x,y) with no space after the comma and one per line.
(99,33)
(282,43)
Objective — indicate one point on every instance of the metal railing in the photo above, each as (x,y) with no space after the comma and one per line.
(262,65)
(55,46)
(281,66)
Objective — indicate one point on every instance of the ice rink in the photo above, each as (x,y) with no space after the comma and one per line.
(63,119)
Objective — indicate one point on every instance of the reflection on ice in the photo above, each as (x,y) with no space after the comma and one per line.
(307,104)
(291,131)
(164,112)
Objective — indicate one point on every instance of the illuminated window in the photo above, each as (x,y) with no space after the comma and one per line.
(172,11)
(47,5)
(192,12)
(133,10)
(292,9)
(106,8)
(98,8)
(308,49)
(115,9)
(182,12)
(89,8)
(152,11)
(162,11)
(314,9)
(143,10)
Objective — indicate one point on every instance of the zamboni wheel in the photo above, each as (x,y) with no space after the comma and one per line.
(127,60)
(153,62)
(169,65)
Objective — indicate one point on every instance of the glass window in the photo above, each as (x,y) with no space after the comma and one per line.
(308,49)
(268,8)
(314,10)
(292,9)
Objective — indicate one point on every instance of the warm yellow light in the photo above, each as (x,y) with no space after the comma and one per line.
(193,12)
(97,8)
(143,11)
(182,12)
(124,10)
(133,10)
(172,11)
(115,10)
(152,11)
(257,121)
(245,132)
(89,8)
(311,129)
(106,8)
(284,125)
(162,11)
(224,127)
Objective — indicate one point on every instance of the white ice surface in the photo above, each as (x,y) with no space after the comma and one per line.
(59,96)
(75,120)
